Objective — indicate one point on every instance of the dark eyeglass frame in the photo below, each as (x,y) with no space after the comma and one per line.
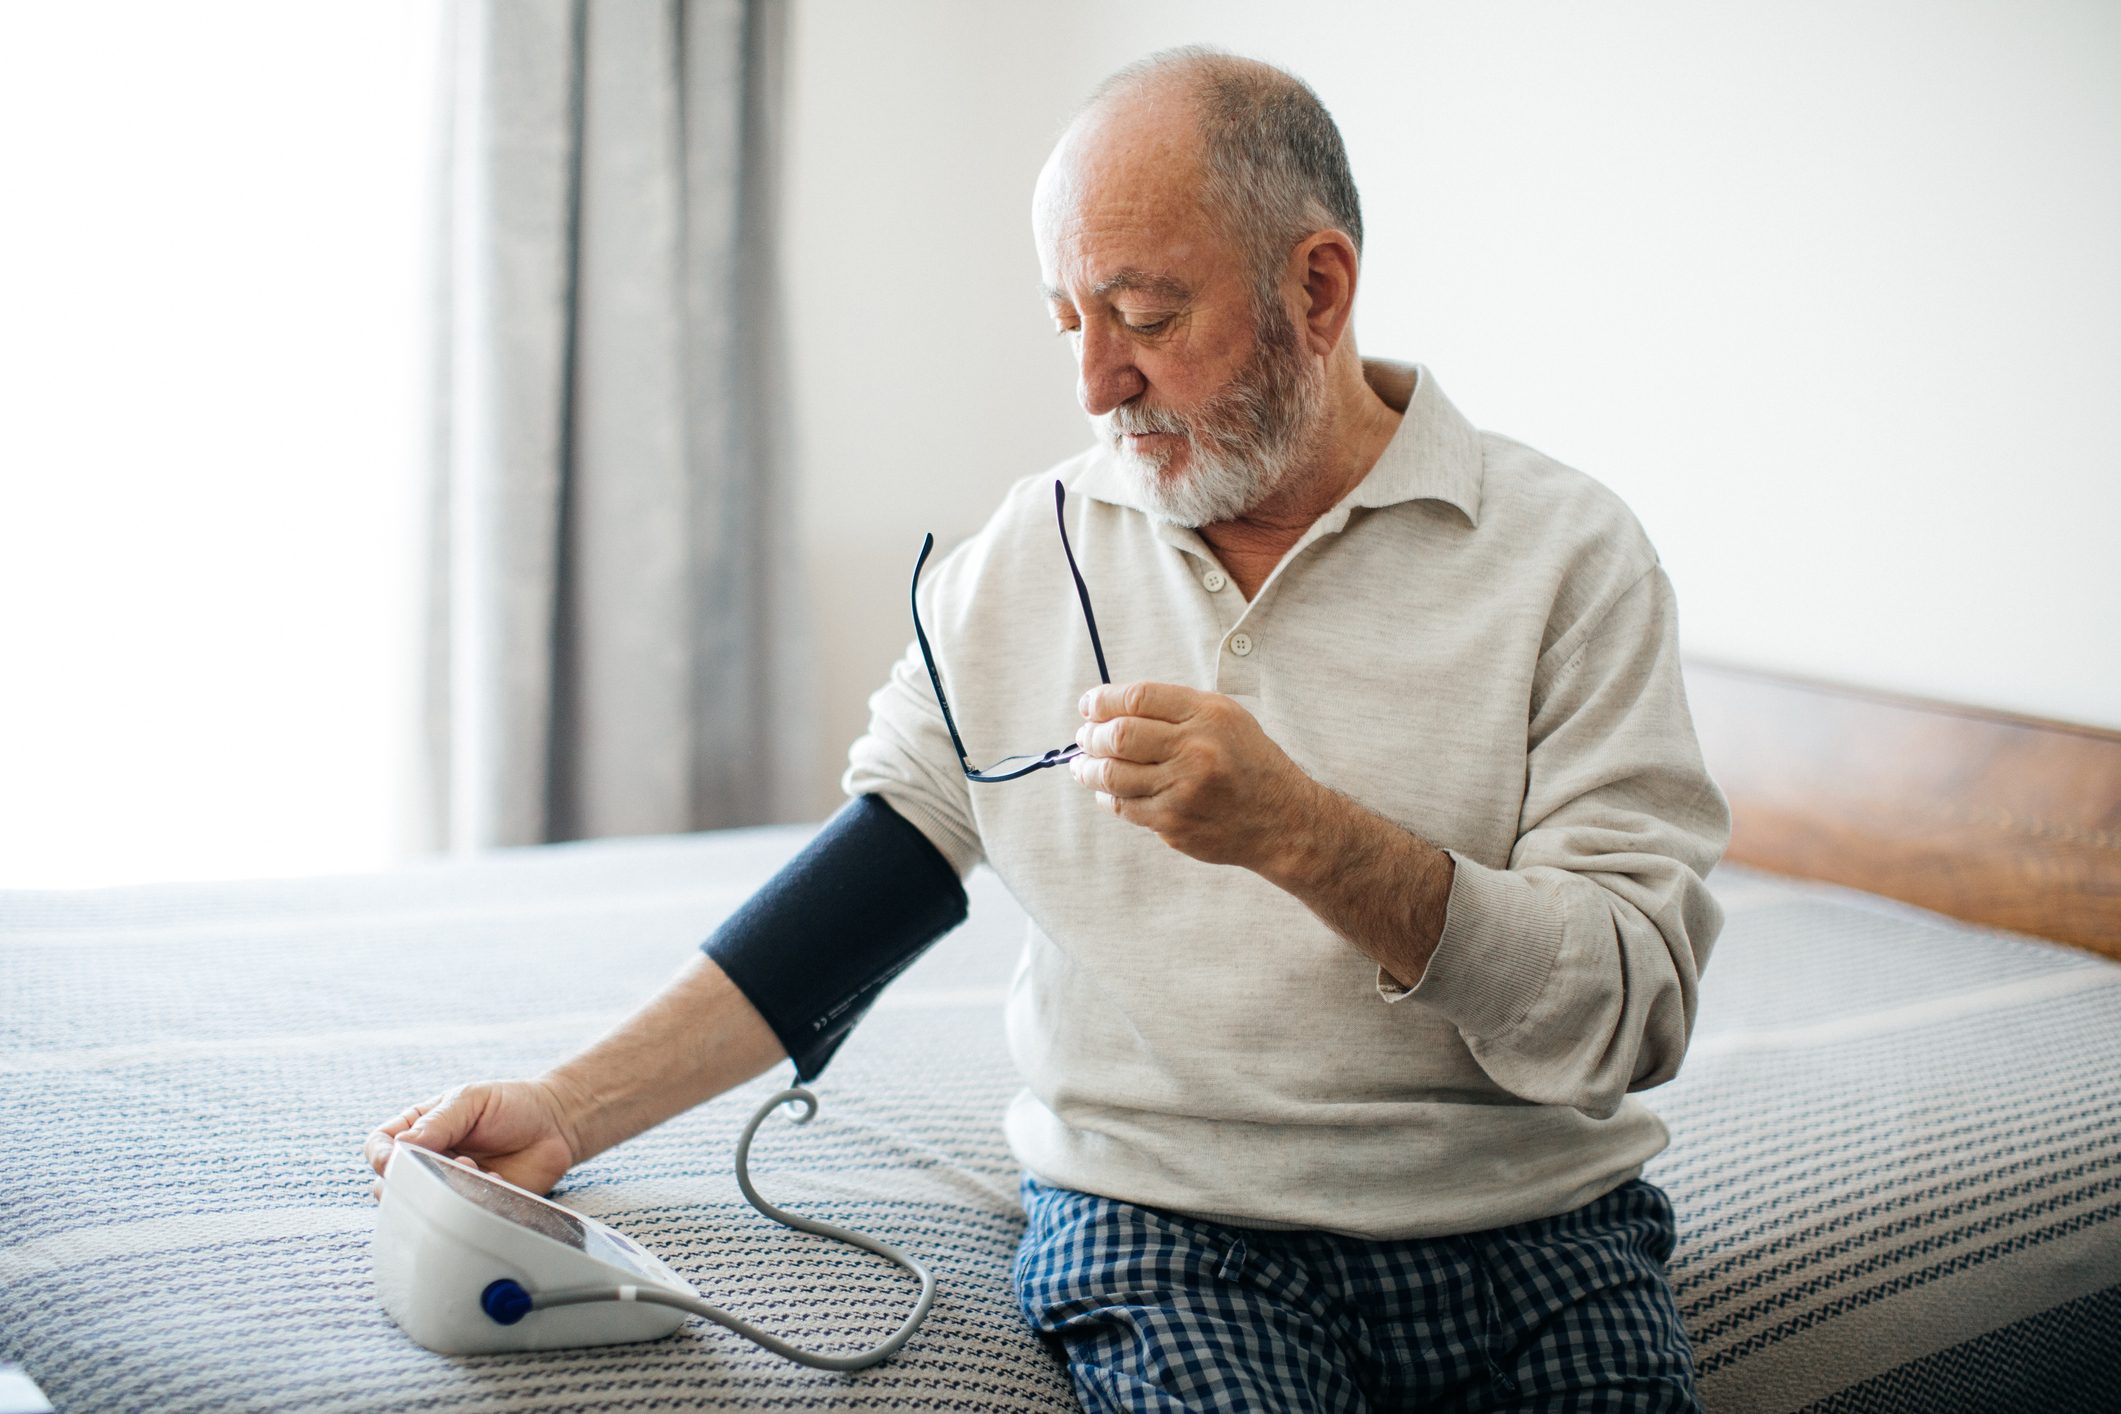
(1004,769)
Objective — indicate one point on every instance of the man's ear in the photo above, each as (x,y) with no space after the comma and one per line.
(1325,265)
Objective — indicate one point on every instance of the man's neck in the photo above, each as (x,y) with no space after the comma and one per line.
(1353,429)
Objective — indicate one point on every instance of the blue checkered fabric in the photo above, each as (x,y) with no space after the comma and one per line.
(1156,1311)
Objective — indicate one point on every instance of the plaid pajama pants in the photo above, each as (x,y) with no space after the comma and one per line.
(1154,1311)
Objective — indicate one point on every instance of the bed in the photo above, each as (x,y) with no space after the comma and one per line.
(1896,1151)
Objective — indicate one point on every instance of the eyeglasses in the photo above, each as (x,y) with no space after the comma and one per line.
(1009,767)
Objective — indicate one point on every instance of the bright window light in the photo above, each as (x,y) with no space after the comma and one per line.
(212,311)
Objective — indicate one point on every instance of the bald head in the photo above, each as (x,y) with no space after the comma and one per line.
(1260,150)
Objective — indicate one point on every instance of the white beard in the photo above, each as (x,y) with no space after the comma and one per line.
(1209,491)
(1241,444)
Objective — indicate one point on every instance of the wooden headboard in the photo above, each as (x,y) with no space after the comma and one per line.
(1994,818)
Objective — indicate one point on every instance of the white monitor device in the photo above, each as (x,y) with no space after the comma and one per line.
(447,1233)
(469,1264)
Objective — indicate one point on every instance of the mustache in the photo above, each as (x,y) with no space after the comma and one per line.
(1128,418)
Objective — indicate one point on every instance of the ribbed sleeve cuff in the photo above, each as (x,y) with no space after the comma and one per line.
(951,842)
(1500,939)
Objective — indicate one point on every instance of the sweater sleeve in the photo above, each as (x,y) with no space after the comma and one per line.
(906,758)
(1573,972)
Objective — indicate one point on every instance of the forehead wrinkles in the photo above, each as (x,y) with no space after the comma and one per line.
(1152,249)
(1149,283)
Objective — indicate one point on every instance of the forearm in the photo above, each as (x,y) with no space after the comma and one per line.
(693,1040)
(1383,888)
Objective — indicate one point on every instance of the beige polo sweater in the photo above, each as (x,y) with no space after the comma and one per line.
(1478,644)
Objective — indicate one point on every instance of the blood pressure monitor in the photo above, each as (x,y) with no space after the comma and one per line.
(447,1234)
(469,1264)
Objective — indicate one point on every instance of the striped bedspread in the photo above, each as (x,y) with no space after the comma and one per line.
(1896,1149)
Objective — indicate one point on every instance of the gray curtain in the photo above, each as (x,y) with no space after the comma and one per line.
(610,629)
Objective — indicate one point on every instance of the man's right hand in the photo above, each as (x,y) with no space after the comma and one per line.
(511,1128)
(693,1040)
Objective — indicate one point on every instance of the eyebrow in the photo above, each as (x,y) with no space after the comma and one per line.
(1131,281)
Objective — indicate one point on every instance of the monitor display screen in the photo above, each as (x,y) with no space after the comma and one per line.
(546,1219)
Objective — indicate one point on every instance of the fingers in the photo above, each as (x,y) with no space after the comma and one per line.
(439,1124)
(444,1123)
(1125,780)
(376,1148)
(1142,739)
(1163,701)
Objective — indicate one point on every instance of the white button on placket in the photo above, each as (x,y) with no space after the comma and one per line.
(1214,581)
(1241,644)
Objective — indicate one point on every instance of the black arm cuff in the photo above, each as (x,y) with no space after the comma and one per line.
(812,948)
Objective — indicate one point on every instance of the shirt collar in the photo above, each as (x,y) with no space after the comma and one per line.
(1434,456)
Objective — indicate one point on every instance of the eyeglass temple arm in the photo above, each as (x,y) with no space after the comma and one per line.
(928,656)
(1082,590)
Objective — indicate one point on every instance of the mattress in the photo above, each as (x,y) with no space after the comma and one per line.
(1896,1147)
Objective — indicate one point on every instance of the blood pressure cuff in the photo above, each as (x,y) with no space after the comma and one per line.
(812,948)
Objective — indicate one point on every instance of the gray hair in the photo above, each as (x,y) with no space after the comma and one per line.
(1276,167)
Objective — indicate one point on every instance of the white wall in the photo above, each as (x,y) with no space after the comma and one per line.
(1831,294)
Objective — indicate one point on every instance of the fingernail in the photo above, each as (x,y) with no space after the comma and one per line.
(1084,705)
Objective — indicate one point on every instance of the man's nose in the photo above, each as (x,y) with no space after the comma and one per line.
(1105,371)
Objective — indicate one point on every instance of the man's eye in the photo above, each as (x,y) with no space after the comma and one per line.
(1151,326)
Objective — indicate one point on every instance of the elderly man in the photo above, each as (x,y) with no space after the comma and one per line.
(1383,886)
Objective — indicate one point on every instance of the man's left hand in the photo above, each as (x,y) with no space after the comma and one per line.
(1194,767)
